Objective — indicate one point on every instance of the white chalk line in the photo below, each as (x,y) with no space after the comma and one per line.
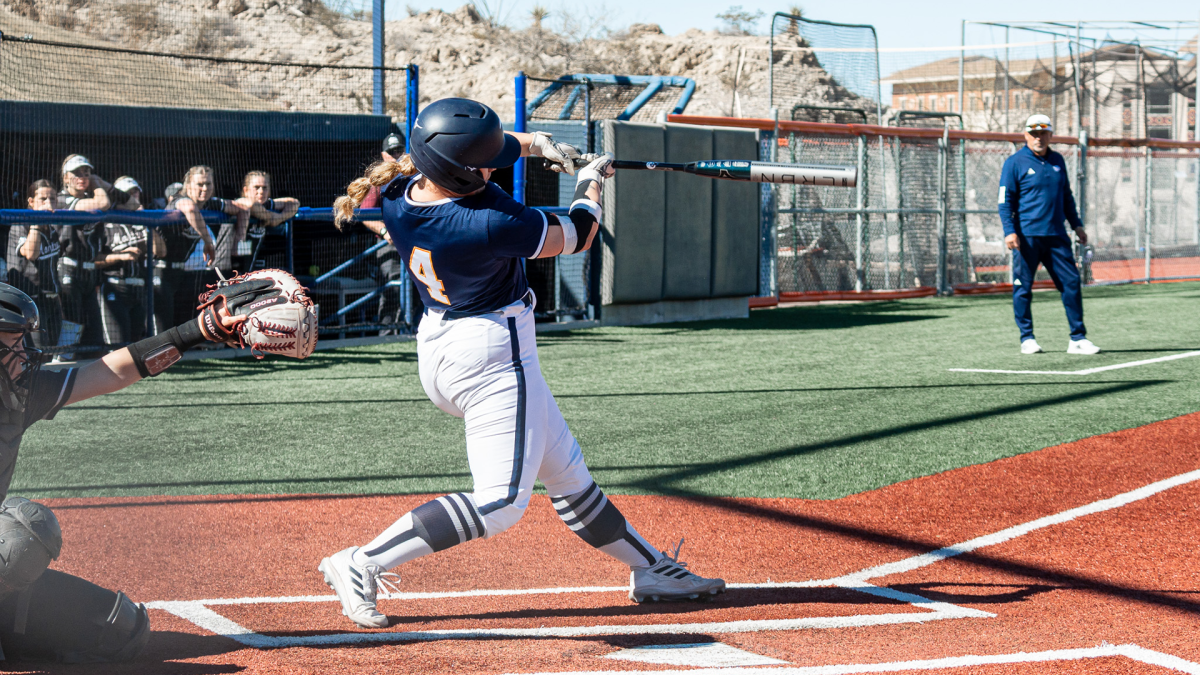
(1130,651)
(919,561)
(198,612)
(1086,371)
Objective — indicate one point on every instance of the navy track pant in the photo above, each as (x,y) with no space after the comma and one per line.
(1055,254)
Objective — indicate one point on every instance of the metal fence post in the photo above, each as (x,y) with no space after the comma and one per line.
(767,254)
(150,323)
(412,105)
(1081,181)
(379,99)
(412,101)
(1149,193)
(519,127)
(859,194)
(1196,223)
(291,241)
(968,259)
(943,198)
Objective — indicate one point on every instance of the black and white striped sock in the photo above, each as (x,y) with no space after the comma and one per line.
(434,526)
(597,521)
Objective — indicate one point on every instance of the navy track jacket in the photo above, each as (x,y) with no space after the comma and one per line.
(1035,195)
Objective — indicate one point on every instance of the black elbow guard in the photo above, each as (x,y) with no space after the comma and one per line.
(157,353)
(585,216)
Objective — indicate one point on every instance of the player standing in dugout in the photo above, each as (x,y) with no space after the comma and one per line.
(1035,198)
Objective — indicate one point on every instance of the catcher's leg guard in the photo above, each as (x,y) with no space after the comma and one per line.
(75,621)
(29,539)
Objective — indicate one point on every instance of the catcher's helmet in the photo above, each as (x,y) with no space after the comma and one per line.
(453,138)
(18,314)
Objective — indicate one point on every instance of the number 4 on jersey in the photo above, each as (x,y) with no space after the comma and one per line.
(421,264)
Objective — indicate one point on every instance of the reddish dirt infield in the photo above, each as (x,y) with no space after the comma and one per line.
(1129,575)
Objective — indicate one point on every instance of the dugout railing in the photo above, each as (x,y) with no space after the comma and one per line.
(923,218)
(344,292)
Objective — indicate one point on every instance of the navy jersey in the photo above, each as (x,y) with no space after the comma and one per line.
(464,254)
(1035,195)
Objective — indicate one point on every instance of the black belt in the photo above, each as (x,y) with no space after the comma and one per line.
(448,314)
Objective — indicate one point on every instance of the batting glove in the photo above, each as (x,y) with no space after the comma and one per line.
(561,156)
(598,169)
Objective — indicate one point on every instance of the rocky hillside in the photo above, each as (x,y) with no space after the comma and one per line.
(459,53)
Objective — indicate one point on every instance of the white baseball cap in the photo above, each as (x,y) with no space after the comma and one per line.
(125,184)
(1039,122)
(74,162)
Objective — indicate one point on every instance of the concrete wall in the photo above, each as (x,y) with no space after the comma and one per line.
(675,236)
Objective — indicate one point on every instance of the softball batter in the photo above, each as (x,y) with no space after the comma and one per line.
(463,239)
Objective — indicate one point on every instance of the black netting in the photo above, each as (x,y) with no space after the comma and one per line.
(150,93)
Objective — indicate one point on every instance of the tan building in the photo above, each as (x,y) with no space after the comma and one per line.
(1112,84)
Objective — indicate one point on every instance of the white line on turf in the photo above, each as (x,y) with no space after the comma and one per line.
(1130,651)
(1086,371)
(918,561)
(198,613)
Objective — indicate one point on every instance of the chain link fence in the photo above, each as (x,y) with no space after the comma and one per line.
(923,216)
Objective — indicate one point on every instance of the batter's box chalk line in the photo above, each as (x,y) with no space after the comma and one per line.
(1104,650)
(200,612)
(1086,371)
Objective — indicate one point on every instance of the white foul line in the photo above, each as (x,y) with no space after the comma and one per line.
(919,561)
(1129,651)
(1087,371)
(197,611)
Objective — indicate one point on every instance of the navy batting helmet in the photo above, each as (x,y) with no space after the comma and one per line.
(454,137)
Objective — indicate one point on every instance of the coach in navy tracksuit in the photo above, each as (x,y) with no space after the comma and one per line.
(1035,198)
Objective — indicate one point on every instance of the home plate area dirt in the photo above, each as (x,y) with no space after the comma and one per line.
(1080,558)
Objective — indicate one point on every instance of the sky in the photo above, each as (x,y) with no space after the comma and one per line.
(899,23)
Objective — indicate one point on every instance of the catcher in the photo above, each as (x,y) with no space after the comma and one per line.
(46,614)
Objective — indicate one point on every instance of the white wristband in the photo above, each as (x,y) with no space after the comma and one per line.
(570,236)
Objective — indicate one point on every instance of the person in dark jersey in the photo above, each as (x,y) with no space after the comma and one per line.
(267,213)
(33,252)
(121,260)
(82,190)
(48,614)
(464,240)
(191,247)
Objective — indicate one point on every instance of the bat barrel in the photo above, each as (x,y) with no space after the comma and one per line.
(757,172)
(770,172)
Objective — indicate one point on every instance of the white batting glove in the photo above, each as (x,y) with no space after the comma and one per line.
(562,156)
(598,169)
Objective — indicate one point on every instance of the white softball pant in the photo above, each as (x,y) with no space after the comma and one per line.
(485,370)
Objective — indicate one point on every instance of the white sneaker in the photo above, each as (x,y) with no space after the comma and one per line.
(356,587)
(669,579)
(1083,346)
(1030,346)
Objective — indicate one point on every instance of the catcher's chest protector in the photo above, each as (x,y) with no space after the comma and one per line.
(12,429)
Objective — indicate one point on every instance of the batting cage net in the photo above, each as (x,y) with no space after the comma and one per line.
(124,107)
(825,64)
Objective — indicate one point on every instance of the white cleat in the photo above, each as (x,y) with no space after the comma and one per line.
(356,586)
(669,579)
(1030,346)
(1083,346)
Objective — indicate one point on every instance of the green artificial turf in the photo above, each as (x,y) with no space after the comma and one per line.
(813,402)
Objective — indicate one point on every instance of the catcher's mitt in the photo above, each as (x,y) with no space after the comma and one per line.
(280,317)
